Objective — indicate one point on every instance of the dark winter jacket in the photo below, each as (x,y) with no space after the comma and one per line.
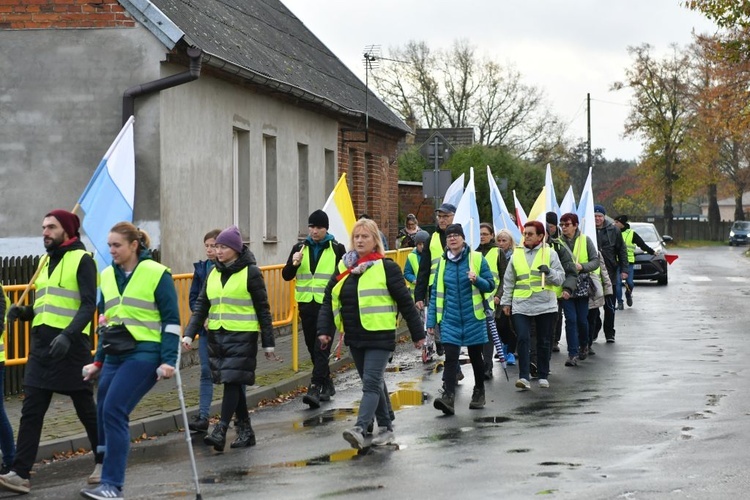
(459,325)
(64,374)
(423,277)
(200,273)
(232,355)
(566,260)
(612,246)
(355,334)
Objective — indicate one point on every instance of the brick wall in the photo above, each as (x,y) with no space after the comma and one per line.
(62,14)
(412,201)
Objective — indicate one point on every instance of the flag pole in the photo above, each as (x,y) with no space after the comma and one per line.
(42,261)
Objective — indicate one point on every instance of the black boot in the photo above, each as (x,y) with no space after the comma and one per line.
(245,435)
(477,399)
(445,403)
(312,397)
(218,437)
(328,390)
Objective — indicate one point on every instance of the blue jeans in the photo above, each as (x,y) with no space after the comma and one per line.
(206,384)
(7,444)
(576,310)
(544,325)
(371,365)
(630,282)
(121,387)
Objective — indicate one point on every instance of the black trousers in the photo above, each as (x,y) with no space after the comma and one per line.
(610,303)
(451,366)
(308,313)
(35,404)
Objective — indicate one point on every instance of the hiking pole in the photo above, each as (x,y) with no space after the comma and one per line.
(189,440)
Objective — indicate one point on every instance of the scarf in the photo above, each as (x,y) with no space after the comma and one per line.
(356,264)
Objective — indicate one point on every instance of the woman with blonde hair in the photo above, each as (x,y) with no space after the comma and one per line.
(362,301)
(506,243)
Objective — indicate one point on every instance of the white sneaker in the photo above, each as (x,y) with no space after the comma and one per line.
(355,437)
(96,476)
(524,384)
(13,482)
(544,383)
(384,437)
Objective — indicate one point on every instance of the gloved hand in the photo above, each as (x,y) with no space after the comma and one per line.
(544,269)
(187,342)
(59,346)
(24,313)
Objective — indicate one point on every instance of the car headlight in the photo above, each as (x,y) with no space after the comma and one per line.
(731,234)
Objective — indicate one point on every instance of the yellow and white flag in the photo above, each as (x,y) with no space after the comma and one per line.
(340,212)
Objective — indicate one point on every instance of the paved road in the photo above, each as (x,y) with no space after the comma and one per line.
(661,413)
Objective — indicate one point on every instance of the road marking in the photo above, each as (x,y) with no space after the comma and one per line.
(737,279)
(700,278)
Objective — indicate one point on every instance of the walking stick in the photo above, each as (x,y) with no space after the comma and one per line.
(189,440)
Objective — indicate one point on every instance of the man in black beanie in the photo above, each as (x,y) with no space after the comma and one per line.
(313,262)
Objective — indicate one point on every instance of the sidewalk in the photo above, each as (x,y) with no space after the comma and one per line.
(159,411)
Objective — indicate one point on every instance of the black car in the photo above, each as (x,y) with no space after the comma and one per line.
(739,233)
(650,267)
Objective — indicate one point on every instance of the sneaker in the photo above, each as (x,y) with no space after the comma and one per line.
(620,306)
(544,383)
(523,384)
(355,437)
(96,476)
(556,347)
(510,359)
(13,482)
(327,391)
(385,436)
(583,353)
(312,397)
(610,340)
(103,492)
(477,399)
(199,424)
(571,361)
(629,299)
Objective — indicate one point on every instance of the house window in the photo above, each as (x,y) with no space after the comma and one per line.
(270,195)
(303,189)
(241,181)
(330,171)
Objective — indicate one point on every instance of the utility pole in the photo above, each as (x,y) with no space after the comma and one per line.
(588,127)
(436,166)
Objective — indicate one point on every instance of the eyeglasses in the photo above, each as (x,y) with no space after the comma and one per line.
(452,235)
(444,216)
(566,224)
(530,234)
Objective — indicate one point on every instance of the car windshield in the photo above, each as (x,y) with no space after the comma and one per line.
(743,225)
(648,233)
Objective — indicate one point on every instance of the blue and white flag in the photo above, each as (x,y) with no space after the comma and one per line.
(551,198)
(501,218)
(568,205)
(108,197)
(455,191)
(586,223)
(467,213)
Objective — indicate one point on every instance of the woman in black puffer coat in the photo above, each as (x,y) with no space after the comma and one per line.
(235,301)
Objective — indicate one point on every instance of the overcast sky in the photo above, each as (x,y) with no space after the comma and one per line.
(565,47)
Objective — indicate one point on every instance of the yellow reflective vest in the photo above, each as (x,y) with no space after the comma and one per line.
(627,236)
(436,250)
(413,258)
(529,279)
(377,309)
(491,259)
(58,297)
(311,287)
(136,307)
(475,264)
(231,304)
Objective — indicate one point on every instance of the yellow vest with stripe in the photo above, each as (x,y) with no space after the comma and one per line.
(311,287)
(413,258)
(2,334)
(491,258)
(475,264)
(231,305)
(627,236)
(136,307)
(581,252)
(436,250)
(377,309)
(529,279)
(57,296)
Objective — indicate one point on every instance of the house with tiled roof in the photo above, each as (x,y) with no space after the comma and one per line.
(242,116)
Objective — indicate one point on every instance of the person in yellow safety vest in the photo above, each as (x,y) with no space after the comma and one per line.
(362,301)
(60,344)
(7,445)
(505,244)
(494,258)
(313,262)
(463,280)
(427,265)
(554,235)
(235,302)
(140,314)
(411,268)
(529,286)
(632,240)
(576,306)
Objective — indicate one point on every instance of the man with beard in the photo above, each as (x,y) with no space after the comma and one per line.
(60,345)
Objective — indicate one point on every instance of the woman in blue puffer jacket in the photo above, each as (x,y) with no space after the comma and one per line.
(456,304)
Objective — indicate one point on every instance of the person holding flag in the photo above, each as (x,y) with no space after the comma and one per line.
(313,262)
(60,343)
